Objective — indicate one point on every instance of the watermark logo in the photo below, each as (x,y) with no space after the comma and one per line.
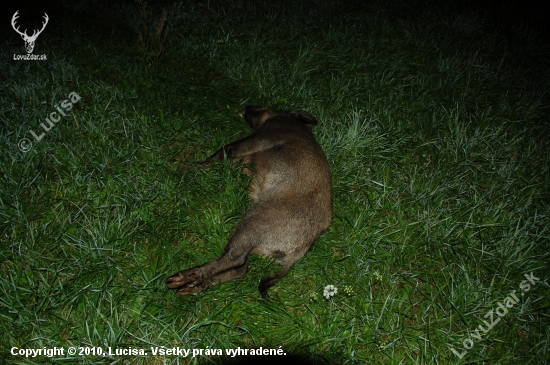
(29,40)
(25,144)
(491,319)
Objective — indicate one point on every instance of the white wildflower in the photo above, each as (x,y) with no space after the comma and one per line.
(330,291)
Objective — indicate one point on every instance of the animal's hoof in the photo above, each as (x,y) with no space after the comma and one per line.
(186,282)
(197,165)
(183,168)
(186,290)
(264,287)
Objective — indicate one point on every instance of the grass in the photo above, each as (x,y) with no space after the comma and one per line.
(434,119)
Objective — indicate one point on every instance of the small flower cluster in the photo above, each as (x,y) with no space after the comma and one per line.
(330,291)
(313,296)
(377,276)
(348,290)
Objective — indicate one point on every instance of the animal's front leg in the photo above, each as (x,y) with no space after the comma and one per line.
(245,147)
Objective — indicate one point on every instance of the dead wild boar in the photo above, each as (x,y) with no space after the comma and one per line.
(292,199)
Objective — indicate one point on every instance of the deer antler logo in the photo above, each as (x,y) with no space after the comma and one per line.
(29,41)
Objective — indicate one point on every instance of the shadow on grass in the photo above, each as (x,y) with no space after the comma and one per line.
(288,359)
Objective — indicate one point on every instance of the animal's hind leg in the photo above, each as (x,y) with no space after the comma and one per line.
(267,283)
(197,279)
(231,265)
(232,274)
(287,261)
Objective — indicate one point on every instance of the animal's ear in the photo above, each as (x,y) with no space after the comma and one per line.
(306,118)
